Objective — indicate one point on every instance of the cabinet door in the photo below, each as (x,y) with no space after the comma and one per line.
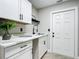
(23,55)
(9,9)
(42,46)
(26,9)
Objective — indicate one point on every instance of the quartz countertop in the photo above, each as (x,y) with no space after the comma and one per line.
(16,39)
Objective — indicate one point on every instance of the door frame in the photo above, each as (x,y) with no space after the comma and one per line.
(76,29)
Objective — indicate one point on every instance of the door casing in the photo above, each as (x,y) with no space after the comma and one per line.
(76,29)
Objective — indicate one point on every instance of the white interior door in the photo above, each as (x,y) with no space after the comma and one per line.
(63,32)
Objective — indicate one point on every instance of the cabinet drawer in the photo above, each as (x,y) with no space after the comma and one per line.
(17,48)
(27,53)
(43,41)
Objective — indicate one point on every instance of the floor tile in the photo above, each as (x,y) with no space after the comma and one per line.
(55,56)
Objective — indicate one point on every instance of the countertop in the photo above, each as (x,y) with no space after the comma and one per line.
(15,40)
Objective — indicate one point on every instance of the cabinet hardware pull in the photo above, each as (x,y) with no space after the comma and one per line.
(44,42)
(53,33)
(20,16)
(23,46)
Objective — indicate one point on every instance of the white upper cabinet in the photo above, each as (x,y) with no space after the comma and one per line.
(29,11)
(9,9)
(17,10)
(26,11)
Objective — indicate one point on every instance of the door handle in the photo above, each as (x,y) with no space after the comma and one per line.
(52,35)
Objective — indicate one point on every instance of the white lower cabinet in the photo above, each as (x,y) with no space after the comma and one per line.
(42,46)
(18,51)
(39,47)
(21,51)
(26,54)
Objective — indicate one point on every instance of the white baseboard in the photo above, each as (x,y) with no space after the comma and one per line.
(76,57)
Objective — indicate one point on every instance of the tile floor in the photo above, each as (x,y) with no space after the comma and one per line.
(55,56)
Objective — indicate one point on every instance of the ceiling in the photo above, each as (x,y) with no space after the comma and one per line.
(44,3)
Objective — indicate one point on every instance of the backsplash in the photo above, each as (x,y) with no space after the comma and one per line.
(20,28)
(23,29)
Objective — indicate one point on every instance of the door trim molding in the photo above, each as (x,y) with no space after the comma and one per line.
(76,28)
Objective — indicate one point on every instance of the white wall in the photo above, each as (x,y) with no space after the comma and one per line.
(44,15)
